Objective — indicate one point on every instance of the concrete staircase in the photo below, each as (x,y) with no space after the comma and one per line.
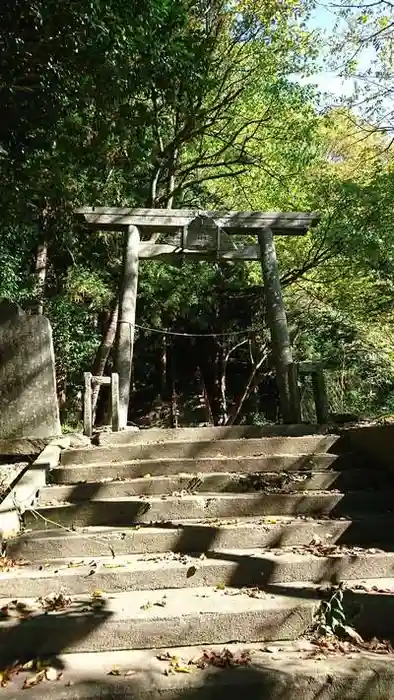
(194,537)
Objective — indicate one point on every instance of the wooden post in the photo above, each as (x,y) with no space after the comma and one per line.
(277,321)
(87,406)
(126,323)
(115,401)
(320,395)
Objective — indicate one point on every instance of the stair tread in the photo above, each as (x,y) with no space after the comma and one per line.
(280,667)
(193,459)
(200,536)
(176,525)
(198,433)
(131,604)
(264,523)
(264,446)
(215,483)
(225,496)
(85,565)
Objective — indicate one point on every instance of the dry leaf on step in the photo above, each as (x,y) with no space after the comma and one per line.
(115,671)
(97,594)
(354,636)
(34,680)
(182,669)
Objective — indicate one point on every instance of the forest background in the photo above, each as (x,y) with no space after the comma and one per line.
(274,105)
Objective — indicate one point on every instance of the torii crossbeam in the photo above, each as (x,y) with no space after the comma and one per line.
(203,235)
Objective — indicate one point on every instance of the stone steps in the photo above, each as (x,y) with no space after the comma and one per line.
(125,511)
(258,447)
(184,537)
(228,482)
(196,536)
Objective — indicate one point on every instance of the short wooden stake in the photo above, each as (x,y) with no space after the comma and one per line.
(115,401)
(87,406)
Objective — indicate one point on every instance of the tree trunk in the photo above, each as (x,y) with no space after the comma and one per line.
(171,178)
(41,275)
(102,354)
(223,389)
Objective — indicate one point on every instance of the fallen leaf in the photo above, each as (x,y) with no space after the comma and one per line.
(161,603)
(115,671)
(223,659)
(191,571)
(54,601)
(33,680)
(354,636)
(97,594)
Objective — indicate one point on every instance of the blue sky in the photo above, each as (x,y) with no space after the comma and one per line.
(329,81)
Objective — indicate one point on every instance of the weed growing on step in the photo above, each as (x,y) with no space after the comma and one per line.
(332,620)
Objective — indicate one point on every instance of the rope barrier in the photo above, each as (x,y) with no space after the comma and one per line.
(246,332)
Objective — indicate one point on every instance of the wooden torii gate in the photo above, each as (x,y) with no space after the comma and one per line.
(201,235)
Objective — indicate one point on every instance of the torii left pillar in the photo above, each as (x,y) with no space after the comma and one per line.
(286,379)
(126,322)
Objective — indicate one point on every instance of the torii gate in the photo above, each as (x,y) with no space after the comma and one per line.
(202,235)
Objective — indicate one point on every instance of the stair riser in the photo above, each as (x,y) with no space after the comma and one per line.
(220,483)
(372,615)
(120,513)
(50,635)
(227,569)
(226,448)
(200,538)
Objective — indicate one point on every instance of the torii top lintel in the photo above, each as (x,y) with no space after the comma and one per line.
(165,220)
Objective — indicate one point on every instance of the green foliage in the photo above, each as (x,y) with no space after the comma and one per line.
(75,335)
(331,618)
(188,103)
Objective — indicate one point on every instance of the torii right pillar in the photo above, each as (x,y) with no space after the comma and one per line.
(289,401)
